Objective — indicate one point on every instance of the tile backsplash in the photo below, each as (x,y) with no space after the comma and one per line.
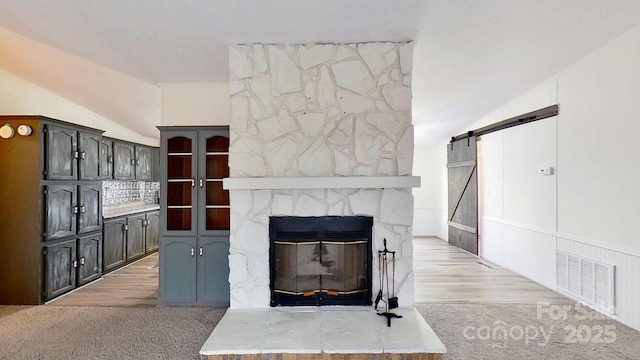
(123,193)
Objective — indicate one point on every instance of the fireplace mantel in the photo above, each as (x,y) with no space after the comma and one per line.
(329,182)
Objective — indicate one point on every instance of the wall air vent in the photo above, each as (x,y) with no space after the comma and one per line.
(586,280)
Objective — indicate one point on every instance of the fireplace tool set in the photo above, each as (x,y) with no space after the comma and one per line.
(392,301)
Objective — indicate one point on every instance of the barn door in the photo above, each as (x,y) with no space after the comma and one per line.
(463,194)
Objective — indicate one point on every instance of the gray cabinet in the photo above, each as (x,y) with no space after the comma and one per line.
(123,161)
(71,209)
(131,161)
(194,216)
(128,238)
(143,163)
(136,225)
(194,270)
(89,207)
(60,268)
(106,159)
(152,232)
(213,270)
(89,258)
(89,145)
(71,263)
(114,252)
(61,149)
(178,269)
(155,165)
(71,154)
(60,211)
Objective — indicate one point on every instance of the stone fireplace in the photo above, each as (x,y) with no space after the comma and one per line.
(319,131)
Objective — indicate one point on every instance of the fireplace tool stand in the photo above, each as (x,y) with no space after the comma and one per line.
(392,300)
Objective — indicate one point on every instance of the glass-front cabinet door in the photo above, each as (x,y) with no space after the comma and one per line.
(180,182)
(214,200)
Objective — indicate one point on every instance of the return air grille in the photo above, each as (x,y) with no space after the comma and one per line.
(587,280)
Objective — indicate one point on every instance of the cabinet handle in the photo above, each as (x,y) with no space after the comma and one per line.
(81,261)
(76,154)
(75,263)
(110,159)
(193,252)
(75,210)
(201,251)
(82,209)
(125,227)
(193,182)
(133,161)
(83,156)
(201,182)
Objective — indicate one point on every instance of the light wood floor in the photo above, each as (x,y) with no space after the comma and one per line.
(447,274)
(443,274)
(133,285)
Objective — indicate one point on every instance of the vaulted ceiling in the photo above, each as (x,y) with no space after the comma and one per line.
(470,56)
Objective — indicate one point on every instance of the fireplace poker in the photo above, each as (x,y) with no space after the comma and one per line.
(379,296)
(384,274)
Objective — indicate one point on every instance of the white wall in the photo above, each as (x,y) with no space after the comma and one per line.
(598,166)
(589,205)
(123,99)
(20,97)
(515,198)
(430,204)
(195,104)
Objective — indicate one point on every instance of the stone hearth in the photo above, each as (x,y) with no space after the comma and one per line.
(334,330)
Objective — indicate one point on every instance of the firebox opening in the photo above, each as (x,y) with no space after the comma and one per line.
(320,260)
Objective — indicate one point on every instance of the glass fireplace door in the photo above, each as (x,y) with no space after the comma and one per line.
(322,260)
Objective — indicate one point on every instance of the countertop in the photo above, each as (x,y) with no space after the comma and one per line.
(128,210)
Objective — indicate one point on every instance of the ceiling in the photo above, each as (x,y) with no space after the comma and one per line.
(469,58)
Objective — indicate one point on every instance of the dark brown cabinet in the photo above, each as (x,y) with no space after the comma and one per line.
(50,209)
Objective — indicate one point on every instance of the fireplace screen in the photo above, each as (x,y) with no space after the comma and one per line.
(320,260)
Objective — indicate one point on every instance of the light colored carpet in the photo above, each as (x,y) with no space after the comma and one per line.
(573,337)
(73,332)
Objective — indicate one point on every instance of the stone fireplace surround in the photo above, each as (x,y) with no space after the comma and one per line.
(319,130)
